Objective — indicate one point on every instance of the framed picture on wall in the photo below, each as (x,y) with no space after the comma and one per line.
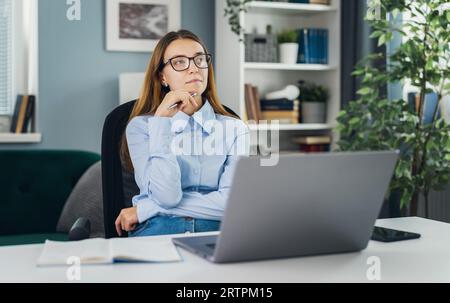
(137,25)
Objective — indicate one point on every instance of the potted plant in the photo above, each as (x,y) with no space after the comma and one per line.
(288,44)
(313,99)
(373,122)
(232,11)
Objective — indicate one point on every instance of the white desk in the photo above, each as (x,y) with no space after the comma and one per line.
(422,260)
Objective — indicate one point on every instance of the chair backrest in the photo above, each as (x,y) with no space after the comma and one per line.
(118,184)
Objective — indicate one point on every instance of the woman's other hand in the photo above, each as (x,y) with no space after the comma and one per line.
(127,220)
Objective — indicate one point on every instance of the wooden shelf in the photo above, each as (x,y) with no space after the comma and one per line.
(287,8)
(300,126)
(20,138)
(281,66)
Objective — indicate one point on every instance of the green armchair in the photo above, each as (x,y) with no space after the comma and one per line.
(34,186)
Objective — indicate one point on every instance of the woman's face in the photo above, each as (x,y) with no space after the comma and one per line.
(193,79)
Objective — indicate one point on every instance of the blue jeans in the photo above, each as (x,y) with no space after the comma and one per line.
(165,225)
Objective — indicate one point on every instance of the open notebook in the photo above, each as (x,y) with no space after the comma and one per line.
(104,251)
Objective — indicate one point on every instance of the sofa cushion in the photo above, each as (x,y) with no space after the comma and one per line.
(31,238)
(35,186)
(85,201)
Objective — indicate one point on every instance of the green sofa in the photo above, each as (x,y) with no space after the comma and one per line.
(34,186)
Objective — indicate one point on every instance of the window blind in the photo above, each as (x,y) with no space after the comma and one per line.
(6,97)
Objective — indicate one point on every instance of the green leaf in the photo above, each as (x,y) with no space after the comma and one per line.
(376,34)
(358,72)
(395,12)
(364,91)
(354,120)
(367,77)
(342,113)
(448,16)
(389,36)
(381,40)
(382,104)
(406,199)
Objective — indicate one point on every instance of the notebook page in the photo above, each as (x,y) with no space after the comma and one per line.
(145,249)
(90,251)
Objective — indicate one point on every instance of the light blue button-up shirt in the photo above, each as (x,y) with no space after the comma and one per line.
(184,165)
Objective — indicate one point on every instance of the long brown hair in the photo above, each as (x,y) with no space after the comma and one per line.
(152,92)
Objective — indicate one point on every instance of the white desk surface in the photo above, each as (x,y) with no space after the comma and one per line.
(421,260)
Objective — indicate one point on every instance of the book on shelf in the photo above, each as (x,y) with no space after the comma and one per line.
(284,114)
(323,2)
(431,102)
(310,144)
(257,104)
(277,104)
(23,113)
(15,115)
(312,46)
(252,105)
(284,117)
(273,114)
(248,102)
(314,148)
(312,140)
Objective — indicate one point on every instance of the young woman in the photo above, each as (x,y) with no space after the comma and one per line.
(182,188)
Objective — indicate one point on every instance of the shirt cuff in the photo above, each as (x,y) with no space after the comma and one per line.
(146,210)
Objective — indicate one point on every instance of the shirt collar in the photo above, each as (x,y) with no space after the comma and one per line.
(205,117)
(206,113)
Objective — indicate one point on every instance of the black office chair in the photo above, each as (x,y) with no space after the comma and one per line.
(118,184)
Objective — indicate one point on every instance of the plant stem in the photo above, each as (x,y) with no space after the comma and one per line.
(433,126)
(416,169)
(414,204)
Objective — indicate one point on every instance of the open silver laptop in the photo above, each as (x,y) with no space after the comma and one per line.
(305,205)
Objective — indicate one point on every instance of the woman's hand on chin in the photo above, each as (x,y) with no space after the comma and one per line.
(184,98)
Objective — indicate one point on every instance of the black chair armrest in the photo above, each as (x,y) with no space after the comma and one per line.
(80,230)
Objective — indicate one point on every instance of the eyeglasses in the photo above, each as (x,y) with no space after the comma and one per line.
(182,63)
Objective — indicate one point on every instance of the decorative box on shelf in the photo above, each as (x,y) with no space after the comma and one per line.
(261,48)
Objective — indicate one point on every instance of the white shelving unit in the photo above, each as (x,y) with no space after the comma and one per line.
(264,7)
(281,66)
(232,72)
(20,138)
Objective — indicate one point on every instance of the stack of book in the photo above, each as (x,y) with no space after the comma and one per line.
(312,46)
(323,2)
(284,110)
(23,114)
(313,144)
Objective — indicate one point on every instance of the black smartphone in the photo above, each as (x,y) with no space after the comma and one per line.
(391,235)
